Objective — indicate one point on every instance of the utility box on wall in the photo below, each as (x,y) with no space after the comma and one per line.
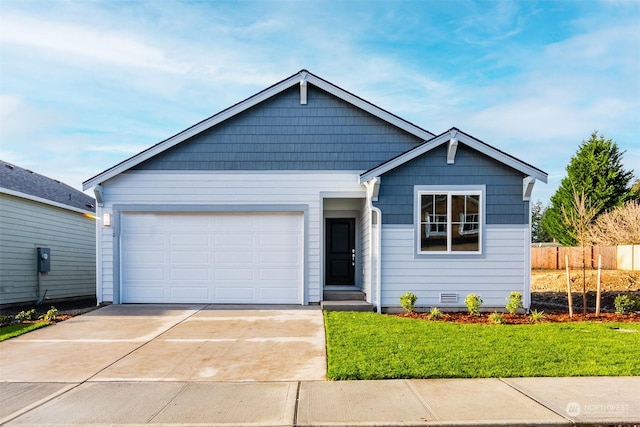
(44,260)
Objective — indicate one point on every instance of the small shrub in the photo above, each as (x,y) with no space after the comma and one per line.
(536,316)
(514,302)
(408,301)
(625,304)
(473,302)
(50,315)
(26,315)
(6,320)
(496,317)
(435,314)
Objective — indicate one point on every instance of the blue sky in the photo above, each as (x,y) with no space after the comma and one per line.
(86,84)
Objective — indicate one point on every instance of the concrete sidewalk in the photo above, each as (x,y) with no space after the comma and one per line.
(458,402)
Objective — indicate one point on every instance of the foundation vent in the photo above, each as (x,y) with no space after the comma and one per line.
(448,298)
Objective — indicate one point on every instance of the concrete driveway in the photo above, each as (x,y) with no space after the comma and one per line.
(172,343)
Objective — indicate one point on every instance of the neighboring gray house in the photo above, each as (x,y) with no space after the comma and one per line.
(39,212)
(303,188)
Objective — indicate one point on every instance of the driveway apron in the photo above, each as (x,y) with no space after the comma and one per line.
(171,343)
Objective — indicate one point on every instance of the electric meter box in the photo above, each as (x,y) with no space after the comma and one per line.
(44,260)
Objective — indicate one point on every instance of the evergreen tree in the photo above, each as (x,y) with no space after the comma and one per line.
(595,171)
(538,233)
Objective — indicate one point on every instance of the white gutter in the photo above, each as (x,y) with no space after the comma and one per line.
(377,248)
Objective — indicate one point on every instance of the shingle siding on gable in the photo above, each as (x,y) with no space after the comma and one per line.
(504,204)
(282,134)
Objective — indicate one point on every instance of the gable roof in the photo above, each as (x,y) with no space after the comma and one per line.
(20,182)
(301,77)
(458,135)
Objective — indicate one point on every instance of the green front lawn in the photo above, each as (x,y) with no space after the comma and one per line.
(11,331)
(371,346)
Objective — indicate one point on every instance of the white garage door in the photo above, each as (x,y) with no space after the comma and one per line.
(212,258)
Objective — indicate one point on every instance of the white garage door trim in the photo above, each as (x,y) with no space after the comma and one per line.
(250,256)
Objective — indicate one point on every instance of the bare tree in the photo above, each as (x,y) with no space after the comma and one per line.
(621,226)
(578,219)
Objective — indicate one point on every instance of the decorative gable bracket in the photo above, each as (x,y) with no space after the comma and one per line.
(303,89)
(453,147)
(99,193)
(527,187)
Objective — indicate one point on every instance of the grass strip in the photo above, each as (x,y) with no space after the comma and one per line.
(371,346)
(11,331)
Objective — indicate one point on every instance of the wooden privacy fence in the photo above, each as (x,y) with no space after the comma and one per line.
(625,257)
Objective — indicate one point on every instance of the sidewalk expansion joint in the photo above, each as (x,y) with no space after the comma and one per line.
(295,409)
(424,403)
(544,405)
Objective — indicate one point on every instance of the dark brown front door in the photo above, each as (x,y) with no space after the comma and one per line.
(340,252)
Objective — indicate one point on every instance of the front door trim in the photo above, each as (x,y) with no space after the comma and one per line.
(340,252)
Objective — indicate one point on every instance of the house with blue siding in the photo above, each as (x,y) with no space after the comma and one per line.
(306,190)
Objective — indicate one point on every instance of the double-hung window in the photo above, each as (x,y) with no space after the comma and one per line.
(449,221)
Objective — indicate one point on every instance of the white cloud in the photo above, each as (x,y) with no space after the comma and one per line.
(83,42)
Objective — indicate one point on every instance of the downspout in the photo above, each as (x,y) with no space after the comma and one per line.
(378,242)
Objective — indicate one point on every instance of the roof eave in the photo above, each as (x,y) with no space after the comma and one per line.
(44,201)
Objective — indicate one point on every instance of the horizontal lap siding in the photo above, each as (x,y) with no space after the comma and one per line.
(281,134)
(26,225)
(501,270)
(218,188)
(504,204)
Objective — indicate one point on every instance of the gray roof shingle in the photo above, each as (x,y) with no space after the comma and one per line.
(15,178)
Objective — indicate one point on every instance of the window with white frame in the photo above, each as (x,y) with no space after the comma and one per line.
(449,221)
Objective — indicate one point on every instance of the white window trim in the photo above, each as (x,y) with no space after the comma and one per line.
(449,190)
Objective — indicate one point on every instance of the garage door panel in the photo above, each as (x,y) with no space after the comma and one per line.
(143,240)
(190,240)
(279,274)
(234,222)
(235,294)
(151,293)
(187,222)
(230,240)
(145,257)
(209,258)
(189,274)
(189,257)
(280,257)
(277,294)
(233,275)
(233,258)
(144,274)
(279,240)
(140,223)
(189,293)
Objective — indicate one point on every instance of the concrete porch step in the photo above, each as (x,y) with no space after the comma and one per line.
(349,305)
(343,295)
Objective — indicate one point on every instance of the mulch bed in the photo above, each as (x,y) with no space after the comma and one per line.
(523,319)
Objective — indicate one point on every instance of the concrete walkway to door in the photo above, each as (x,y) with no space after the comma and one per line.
(173,343)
